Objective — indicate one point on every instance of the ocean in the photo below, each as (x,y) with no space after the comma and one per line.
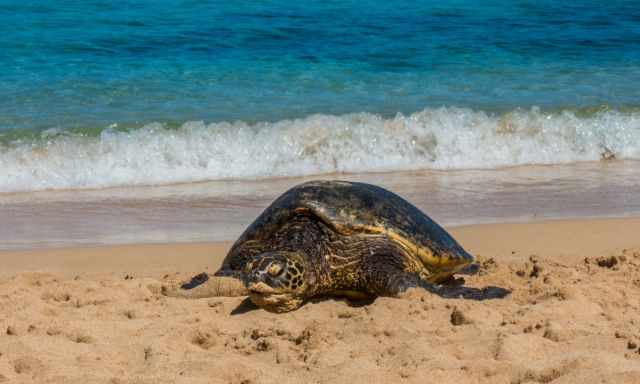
(158,92)
(168,121)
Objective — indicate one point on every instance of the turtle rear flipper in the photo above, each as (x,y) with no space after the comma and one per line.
(470,269)
(204,285)
(400,283)
(387,277)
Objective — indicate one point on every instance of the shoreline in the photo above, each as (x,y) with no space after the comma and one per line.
(569,239)
(45,194)
(219,211)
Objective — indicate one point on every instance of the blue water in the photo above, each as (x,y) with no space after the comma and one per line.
(88,64)
(94,94)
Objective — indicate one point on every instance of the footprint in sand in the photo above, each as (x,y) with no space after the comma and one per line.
(56,296)
(80,337)
(54,331)
(204,339)
(28,365)
(130,314)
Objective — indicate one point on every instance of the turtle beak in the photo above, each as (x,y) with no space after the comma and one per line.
(267,298)
(260,288)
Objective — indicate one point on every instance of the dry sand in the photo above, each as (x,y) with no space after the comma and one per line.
(98,316)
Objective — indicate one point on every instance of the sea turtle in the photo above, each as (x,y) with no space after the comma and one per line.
(340,238)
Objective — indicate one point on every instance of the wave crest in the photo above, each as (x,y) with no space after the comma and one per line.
(438,138)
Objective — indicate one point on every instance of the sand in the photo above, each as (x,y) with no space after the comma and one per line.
(98,315)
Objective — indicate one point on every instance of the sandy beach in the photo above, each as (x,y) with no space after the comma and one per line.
(140,140)
(98,315)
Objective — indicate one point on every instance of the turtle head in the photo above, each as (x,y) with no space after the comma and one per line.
(276,280)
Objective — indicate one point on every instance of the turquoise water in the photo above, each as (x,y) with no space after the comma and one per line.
(93,93)
(86,63)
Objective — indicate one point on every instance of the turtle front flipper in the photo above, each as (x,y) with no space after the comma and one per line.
(388,279)
(399,282)
(387,276)
(204,285)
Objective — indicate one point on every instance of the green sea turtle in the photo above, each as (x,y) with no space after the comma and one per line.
(326,238)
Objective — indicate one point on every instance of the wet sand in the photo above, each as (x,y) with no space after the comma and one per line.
(219,211)
(98,315)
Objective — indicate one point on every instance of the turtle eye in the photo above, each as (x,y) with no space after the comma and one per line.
(274,269)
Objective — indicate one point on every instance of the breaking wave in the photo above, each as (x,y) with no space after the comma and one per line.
(435,138)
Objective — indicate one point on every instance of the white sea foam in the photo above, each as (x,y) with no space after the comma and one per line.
(443,138)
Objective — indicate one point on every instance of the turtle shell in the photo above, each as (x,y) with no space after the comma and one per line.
(352,208)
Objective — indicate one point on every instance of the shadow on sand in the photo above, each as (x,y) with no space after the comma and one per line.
(444,291)
(451,289)
(468,293)
(244,307)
